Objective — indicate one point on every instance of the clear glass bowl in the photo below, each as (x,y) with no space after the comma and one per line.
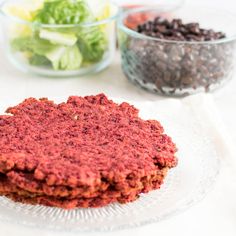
(178,68)
(95,41)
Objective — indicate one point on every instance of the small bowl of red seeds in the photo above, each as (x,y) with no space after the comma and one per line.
(178,53)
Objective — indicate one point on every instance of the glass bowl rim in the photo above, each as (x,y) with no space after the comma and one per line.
(135,34)
(111,18)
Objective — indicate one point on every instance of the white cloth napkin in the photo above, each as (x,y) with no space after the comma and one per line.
(202,108)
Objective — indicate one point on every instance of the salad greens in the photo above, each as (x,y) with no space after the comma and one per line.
(64,12)
(64,47)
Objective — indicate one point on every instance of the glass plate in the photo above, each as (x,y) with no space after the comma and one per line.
(184,186)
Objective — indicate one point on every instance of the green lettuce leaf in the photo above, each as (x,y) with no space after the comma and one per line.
(37,60)
(32,44)
(92,43)
(54,37)
(64,12)
(65,58)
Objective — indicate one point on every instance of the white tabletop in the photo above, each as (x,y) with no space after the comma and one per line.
(215,215)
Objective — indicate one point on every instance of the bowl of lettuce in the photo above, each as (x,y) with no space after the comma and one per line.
(60,37)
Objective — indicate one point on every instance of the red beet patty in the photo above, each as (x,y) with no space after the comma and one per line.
(86,152)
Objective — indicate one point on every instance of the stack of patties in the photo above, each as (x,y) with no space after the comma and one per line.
(86,152)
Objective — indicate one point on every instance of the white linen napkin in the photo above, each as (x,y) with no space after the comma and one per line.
(204,108)
(200,107)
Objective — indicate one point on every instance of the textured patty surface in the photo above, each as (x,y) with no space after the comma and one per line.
(86,152)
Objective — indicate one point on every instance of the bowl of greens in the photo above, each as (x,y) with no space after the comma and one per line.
(59,37)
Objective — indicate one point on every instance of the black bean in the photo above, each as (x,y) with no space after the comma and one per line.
(180,31)
(160,28)
(176,23)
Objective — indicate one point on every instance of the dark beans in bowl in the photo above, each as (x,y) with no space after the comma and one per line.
(176,59)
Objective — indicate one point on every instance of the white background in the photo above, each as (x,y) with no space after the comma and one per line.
(215,215)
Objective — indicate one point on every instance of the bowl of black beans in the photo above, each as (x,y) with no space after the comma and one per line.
(179,52)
